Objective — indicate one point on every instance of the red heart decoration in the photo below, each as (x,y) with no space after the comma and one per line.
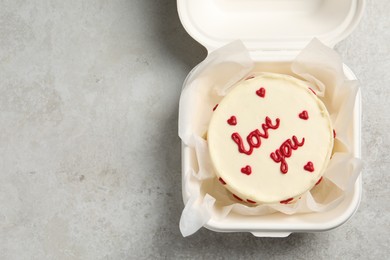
(286,201)
(261,92)
(309,167)
(238,198)
(246,170)
(318,182)
(304,115)
(232,120)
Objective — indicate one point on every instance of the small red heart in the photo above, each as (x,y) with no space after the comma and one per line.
(318,182)
(246,170)
(313,91)
(304,115)
(309,167)
(261,92)
(232,120)
(286,201)
(234,195)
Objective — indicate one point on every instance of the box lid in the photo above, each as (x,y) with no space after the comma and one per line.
(269,25)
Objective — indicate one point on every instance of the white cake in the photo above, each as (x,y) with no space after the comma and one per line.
(270,139)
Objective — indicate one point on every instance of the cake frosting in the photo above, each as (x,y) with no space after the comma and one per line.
(270,139)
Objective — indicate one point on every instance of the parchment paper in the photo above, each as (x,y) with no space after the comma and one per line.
(322,68)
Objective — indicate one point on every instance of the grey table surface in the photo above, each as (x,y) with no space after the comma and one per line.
(89,152)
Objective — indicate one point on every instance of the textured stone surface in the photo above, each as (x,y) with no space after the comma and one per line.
(89,153)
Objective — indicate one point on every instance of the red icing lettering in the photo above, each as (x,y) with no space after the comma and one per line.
(304,115)
(222,181)
(232,120)
(253,138)
(251,201)
(234,195)
(261,92)
(286,201)
(285,151)
(246,170)
(215,107)
(309,167)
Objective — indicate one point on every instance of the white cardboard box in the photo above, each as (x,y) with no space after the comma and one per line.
(275,31)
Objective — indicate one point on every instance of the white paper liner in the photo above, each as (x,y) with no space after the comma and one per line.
(322,68)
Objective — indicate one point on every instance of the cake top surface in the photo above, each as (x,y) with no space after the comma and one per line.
(270,139)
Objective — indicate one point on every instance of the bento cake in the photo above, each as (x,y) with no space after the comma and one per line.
(270,139)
